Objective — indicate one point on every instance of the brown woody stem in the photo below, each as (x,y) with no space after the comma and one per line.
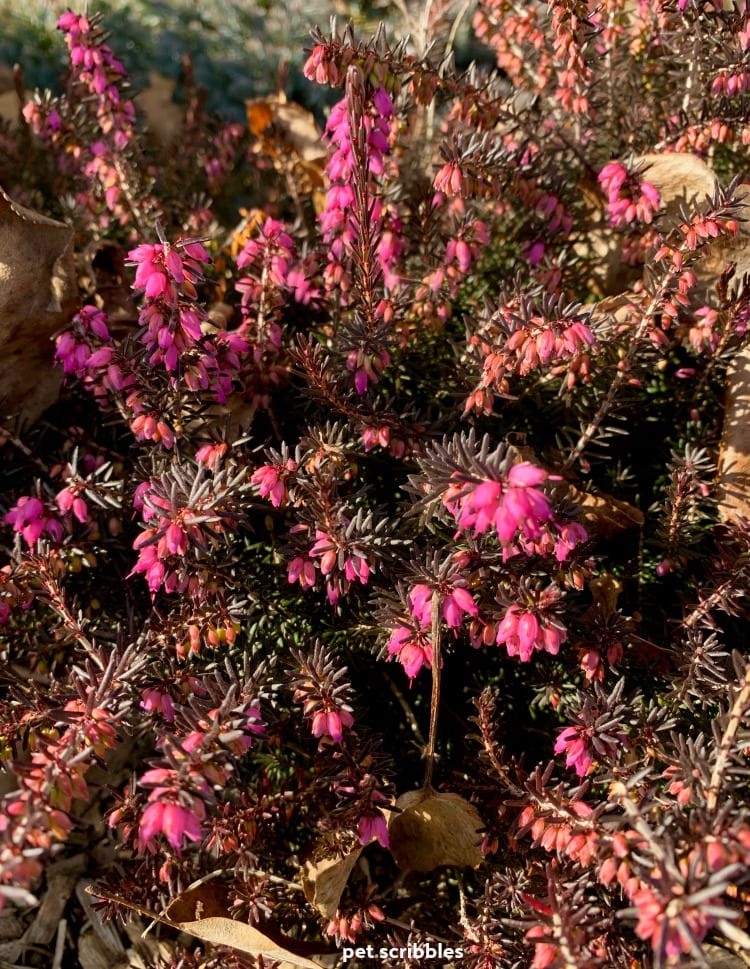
(429,752)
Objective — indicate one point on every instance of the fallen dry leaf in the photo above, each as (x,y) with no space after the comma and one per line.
(685,180)
(288,135)
(201,911)
(324,881)
(245,938)
(601,514)
(434,829)
(163,117)
(733,472)
(278,124)
(679,178)
(38,295)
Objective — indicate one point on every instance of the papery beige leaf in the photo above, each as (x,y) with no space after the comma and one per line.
(163,117)
(678,176)
(202,911)
(602,515)
(10,107)
(38,295)
(279,123)
(733,472)
(244,938)
(434,829)
(324,881)
(686,180)
(605,590)
(204,899)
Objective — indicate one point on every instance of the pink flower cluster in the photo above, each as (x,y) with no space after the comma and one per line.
(338,221)
(629,198)
(575,743)
(85,350)
(410,643)
(373,827)
(101,72)
(367,366)
(274,269)
(338,559)
(518,340)
(173,529)
(328,715)
(272,481)
(516,510)
(70,500)
(523,631)
(38,813)
(99,76)
(272,274)
(172,320)
(177,802)
(172,811)
(512,506)
(510,31)
(32,519)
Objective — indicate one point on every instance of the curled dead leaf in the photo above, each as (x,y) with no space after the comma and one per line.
(600,514)
(282,125)
(324,880)
(246,938)
(733,472)
(202,911)
(435,829)
(288,135)
(38,295)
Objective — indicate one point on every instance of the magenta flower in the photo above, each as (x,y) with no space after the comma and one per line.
(69,499)
(173,821)
(522,632)
(420,598)
(153,275)
(373,827)
(211,455)
(572,741)
(271,480)
(412,649)
(628,197)
(514,506)
(30,517)
(156,701)
(302,570)
(331,723)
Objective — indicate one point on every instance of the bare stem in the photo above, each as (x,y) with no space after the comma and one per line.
(736,714)
(435,698)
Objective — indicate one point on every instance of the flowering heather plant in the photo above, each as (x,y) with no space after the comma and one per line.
(411,475)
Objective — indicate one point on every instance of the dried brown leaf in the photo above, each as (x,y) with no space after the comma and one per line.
(38,295)
(733,472)
(284,125)
(434,829)
(324,880)
(201,911)
(678,176)
(245,938)
(601,515)
(163,116)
